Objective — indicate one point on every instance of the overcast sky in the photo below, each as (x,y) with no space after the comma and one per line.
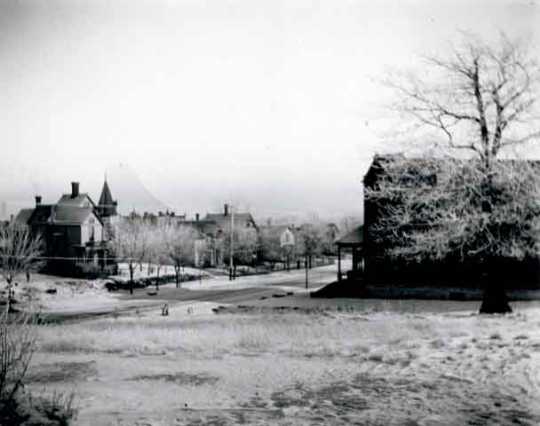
(274,104)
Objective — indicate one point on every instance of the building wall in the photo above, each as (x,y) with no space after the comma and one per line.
(86,230)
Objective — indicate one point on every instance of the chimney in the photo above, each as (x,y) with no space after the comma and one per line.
(74,189)
(226,210)
(196,217)
(38,200)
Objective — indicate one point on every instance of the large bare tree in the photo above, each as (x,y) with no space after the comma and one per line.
(180,248)
(481,100)
(131,244)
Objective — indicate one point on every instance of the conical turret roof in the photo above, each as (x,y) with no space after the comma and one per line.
(106,205)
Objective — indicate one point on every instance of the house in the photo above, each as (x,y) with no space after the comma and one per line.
(381,268)
(277,242)
(73,230)
(224,220)
(212,228)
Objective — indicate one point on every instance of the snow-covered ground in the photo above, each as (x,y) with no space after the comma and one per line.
(331,367)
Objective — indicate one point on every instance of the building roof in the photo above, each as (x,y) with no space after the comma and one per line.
(376,169)
(106,203)
(206,227)
(41,214)
(55,215)
(80,200)
(224,221)
(68,215)
(353,238)
(24,216)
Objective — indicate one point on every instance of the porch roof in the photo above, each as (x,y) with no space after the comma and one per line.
(355,238)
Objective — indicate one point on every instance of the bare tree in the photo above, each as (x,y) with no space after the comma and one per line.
(130,244)
(19,253)
(481,100)
(180,248)
(269,242)
(245,245)
(309,244)
(157,247)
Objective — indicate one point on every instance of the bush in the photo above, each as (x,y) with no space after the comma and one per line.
(18,407)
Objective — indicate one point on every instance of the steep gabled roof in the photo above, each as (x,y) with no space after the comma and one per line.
(79,201)
(68,215)
(56,215)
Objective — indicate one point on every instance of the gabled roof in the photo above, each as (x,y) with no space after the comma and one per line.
(41,214)
(24,216)
(68,215)
(56,215)
(79,201)
(224,221)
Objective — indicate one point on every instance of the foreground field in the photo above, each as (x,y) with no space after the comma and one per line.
(319,366)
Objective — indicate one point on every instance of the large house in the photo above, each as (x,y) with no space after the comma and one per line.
(74,230)
(379,267)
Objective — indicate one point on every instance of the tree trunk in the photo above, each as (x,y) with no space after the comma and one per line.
(130,279)
(157,278)
(494,300)
(9,295)
(177,276)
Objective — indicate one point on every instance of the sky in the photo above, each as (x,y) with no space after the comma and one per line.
(273,105)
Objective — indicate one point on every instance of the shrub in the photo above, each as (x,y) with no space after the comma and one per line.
(18,407)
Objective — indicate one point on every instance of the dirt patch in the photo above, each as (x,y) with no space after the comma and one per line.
(62,372)
(180,378)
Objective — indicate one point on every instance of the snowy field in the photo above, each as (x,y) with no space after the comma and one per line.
(385,367)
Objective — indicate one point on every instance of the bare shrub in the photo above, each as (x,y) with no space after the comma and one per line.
(17,406)
(17,345)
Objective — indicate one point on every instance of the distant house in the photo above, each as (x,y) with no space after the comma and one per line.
(211,229)
(223,220)
(277,242)
(73,230)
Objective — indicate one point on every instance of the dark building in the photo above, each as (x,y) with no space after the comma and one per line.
(379,267)
(72,230)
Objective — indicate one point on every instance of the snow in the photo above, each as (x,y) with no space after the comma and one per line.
(387,367)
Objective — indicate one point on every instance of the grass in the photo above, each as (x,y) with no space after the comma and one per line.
(326,367)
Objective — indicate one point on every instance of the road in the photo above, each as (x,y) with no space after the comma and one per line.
(217,290)
(242,289)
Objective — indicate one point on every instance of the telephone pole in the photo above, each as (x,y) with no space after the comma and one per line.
(231,261)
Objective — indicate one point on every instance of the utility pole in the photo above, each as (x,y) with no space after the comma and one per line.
(231,261)
(307,271)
